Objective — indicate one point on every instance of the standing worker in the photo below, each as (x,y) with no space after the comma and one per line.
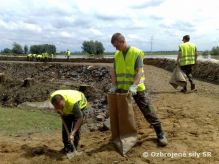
(68,54)
(46,56)
(128,75)
(29,57)
(186,59)
(70,104)
(52,56)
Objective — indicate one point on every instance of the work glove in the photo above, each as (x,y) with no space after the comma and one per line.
(71,138)
(133,89)
(113,89)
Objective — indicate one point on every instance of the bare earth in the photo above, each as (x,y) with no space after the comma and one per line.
(190,121)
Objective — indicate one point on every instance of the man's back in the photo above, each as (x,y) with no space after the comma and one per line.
(187,53)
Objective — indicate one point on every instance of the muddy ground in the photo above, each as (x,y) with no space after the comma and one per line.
(189,120)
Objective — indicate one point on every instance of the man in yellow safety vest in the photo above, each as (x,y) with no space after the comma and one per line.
(128,75)
(70,104)
(187,58)
(68,54)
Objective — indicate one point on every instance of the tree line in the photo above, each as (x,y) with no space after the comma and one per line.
(91,47)
(214,51)
(17,49)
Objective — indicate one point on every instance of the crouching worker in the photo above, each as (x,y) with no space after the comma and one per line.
(70,104)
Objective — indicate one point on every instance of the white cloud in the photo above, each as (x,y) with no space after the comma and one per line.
(65,34)
(68,23)
(96,32)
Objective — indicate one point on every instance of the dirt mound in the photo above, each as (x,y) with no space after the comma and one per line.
(205,70)
(50,77)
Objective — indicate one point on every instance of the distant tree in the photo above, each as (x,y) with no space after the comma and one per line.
(34,49)
(93,47)
(25,49)
(6,51)
(205,53)
(215,51)
(99,48)
(17,48)
(42,48)
(50,49)
(88,46)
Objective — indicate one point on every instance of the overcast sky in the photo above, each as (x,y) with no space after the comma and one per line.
(67,23)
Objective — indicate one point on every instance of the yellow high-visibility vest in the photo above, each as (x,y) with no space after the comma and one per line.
(187,53)
(68,53)
(125,69)
(71,97)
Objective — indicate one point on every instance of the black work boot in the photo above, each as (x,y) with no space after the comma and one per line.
(192,87)
(184,90)
(68,148)
(161,138)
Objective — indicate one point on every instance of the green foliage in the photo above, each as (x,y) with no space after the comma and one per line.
(42,48)
(205,53)
(16,121)
(93,47)
(17,48)
(25,49)
(6,51)
(215,51)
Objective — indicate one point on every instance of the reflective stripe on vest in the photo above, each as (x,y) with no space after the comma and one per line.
(71,97)
(187,53)
(125,69)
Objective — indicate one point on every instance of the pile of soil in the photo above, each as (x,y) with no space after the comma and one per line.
(48,77)
(204,70)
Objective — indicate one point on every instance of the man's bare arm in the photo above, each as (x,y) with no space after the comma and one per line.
(113,76)
(139,73)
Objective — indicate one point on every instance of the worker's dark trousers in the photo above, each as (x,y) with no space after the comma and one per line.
(187,69)
(70,121)
(143,101)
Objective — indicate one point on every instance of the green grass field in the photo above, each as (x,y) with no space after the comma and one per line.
(21,121)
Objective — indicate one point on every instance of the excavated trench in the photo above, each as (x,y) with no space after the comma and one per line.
(35,81)
(29,83)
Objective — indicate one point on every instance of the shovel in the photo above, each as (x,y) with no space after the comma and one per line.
(70,155)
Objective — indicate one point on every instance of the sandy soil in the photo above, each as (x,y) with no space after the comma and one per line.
(190,122)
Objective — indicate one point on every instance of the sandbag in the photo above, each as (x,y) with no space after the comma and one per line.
(122,121)
(178,78)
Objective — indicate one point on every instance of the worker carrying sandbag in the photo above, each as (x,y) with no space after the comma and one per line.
(128,76)
(186,59)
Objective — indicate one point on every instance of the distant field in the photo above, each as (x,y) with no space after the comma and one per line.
(19,121)
(106,53)
(158,54)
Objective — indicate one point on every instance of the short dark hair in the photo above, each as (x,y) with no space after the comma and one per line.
(116,37)
(56,99)
(186,37)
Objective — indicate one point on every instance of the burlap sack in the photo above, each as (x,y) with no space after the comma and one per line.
(123,126)
(178,78)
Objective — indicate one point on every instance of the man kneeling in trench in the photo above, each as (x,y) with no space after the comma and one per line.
(70,104)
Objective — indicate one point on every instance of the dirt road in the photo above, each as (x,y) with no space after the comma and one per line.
(190,121)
